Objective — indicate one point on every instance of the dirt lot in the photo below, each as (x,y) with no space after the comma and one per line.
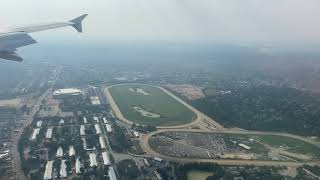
(10,103)
(189,91)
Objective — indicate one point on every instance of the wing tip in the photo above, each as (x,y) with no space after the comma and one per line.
(77,22)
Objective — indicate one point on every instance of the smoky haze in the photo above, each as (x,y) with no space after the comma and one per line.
(269,21)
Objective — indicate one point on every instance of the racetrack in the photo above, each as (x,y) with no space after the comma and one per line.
(203,123)
(199,116)
(144,142)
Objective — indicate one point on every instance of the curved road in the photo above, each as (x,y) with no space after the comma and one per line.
(212,126)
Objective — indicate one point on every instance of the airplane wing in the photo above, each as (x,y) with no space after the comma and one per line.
(19,37)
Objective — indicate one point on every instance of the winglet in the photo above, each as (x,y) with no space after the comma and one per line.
(76,22)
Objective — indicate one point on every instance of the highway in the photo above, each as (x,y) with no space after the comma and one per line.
(16,161)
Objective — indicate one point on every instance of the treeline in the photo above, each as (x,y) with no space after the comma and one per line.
(228,172)
(266,108)
(182,170)
(119,141)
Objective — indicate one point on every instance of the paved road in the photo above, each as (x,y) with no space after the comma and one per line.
(145,145)
(16,162)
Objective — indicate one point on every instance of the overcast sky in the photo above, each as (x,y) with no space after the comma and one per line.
(234,21)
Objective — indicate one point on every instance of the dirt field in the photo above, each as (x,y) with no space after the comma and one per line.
(189,91)
(10,103)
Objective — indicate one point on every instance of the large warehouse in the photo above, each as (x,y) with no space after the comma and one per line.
(67,92)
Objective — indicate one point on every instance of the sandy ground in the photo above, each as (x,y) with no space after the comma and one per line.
(189,91)
(11,103)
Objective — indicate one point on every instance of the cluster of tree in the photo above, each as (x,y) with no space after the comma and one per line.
(267,108)
(144,128)
(119,141)
(128,169)
(181,170)
(314,169)
(253,173)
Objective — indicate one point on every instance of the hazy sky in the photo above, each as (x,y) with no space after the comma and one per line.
(178,20)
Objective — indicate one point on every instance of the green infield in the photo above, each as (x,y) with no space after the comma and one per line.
(149,105)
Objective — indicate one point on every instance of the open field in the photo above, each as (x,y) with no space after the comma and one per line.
(198,175)
(213,145)
(10,103)
(150,105)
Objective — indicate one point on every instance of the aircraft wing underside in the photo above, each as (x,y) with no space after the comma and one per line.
(19,37)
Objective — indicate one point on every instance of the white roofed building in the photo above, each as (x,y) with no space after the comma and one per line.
(109,128)
(244,146)
(112,174)
(48,172)
(78,166)
(82,132)
(136,134)
(35,133)
(49,133)
(97,127)
(102,142)
(158,159)
(106,159)
(95,100)
(105,120)
(93,160)
(84,143)
(63,169)
(67,92)
(96,119)
(39,123)
(85,121)
(72,152)
(60,152)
